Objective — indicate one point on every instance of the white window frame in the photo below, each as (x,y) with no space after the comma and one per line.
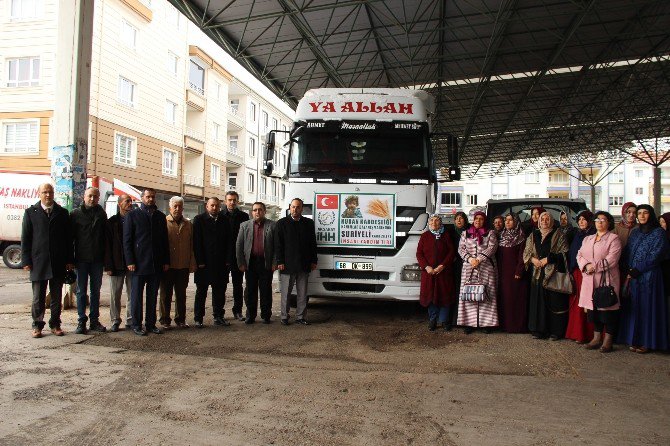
(170,165)
(283,190)
(233,148)
(616,200)
(128,161)
(265,120)
(33,78)
(532,196)
(252,147)
(263,186)
(639,191)
(498,196)
(273,189)
(22,151)
(616,177)
(472,199)
(173,16)
(217,90)
(172,64)
(283,161)
(198,89)
(36,13)
(126,26)
(216,131)
(133,92)
(275,124)
(452,198)
(170,112)
(532,177)
(639,173)
(252,111)
(215,179)
(232,175)
(251,180)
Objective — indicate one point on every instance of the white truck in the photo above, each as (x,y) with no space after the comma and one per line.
(361,160)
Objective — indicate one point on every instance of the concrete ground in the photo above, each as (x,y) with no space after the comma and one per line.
(363,373)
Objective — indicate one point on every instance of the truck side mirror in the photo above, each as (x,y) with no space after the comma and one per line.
(269,154)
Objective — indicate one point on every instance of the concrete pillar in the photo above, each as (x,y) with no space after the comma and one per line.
(657,190)
(73,91)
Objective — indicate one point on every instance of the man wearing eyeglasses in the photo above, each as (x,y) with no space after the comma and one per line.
(255,258)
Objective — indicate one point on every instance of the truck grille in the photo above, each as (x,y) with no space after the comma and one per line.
(353,287)
(361,275)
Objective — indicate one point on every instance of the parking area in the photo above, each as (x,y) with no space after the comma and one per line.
(362,373)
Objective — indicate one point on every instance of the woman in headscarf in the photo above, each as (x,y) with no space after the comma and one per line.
(545,252)
(477,248)
(579,329)
(627,223)
(644,321)
(664,221)
(598,259)
(513,287)
(461,224)
(566,228)
(530,225)
(435,254)
(498,225)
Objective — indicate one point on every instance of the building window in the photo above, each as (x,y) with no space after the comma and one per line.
(252,147)
(127,92)
(616,201)
(532,177)
(274,124)
(170,112)
(23,72)
(586,177)
(558,177)
(217,90)
(25,9)
(273,189)
(639,173)
(451,199)
(20,137)
(128,34)
(532,196)
(252,111)
(172,63)
(265,121)
(251,180)
(499,196)
(196,78)
(263,185)
(215,175)
(234,106)
(172,16)
(283,191)
(616,177)
(170,158)
(216,132)
(125,150)
(232,144)
(232,181)
(283,127)
(283,161)
(472,200)
(639,191)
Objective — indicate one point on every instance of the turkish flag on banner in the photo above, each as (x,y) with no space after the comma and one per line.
(327,201)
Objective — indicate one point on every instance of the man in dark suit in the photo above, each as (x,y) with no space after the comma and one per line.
(255,258)
(236,217)
(295,256)
(211,246)
(145,247)
(46,251)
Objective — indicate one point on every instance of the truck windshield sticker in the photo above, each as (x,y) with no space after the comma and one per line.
(357,220)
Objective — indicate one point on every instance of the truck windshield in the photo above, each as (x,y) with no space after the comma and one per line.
(396,155)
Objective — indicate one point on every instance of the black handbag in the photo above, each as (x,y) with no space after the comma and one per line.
(604,295)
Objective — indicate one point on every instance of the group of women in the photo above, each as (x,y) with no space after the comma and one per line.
(599,283)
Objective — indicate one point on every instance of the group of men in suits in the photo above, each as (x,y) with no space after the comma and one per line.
(147,251)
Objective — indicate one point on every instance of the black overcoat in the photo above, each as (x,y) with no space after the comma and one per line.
(212,247)
(295,244)
(145,241)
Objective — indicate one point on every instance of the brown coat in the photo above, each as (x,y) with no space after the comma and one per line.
(180,238)
(436,289)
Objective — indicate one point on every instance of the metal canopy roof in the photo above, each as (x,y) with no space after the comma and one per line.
(513,79)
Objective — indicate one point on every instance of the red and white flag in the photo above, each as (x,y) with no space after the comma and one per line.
(326,201)
(124,188)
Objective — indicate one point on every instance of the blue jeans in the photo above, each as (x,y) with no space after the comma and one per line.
(88,271)
(439,313)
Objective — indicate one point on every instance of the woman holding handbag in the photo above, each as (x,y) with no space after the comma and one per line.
(477,248)
(545,256)
(435,254)
(598,260)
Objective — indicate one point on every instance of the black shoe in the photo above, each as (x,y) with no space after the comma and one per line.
(97,326)
(115,327)
(432,324)
(221,322)
(249,321)
(239,317)
(284,321)
(446,326)
(156,330)
(267,320)
(81,328)
(199,324)
(139,332)
(468,330)
(302,322)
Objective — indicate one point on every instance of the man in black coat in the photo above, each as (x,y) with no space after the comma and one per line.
(88,233)
(236,217)
(212,250)
(295,256)
(46,251)
(145,247)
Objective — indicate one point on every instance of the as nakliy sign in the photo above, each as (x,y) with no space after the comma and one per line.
(357,220)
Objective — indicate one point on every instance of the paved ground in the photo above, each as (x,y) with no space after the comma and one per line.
(363,373)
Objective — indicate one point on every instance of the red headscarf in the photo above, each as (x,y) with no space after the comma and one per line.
(475,233)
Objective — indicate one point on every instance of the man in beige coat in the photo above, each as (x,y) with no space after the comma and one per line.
(182,263)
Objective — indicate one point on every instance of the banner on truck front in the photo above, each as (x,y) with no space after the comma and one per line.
(355,220)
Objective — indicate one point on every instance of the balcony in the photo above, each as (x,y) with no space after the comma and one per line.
(234,156)
(195,97)
(235,118)
(194,140)
(192,180)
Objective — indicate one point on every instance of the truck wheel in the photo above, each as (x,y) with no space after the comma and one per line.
(12,256)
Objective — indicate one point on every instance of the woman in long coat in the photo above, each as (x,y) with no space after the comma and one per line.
(477,248)
(513,286)
(435,254)
(579,328)
(644,322)
(461,224)
(598,256)
(545,251)
(664,221)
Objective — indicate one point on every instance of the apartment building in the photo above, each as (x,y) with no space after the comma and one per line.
(165,110)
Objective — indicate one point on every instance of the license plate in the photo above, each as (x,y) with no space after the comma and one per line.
(362,266)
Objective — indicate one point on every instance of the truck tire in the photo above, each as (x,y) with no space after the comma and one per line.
(12,256)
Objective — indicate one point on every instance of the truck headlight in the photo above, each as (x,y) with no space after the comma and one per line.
(411,273)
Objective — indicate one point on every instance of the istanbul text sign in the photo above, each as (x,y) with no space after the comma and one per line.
(355,219)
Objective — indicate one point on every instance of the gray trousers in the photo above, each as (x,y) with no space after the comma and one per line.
(286,282)
(116,287)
